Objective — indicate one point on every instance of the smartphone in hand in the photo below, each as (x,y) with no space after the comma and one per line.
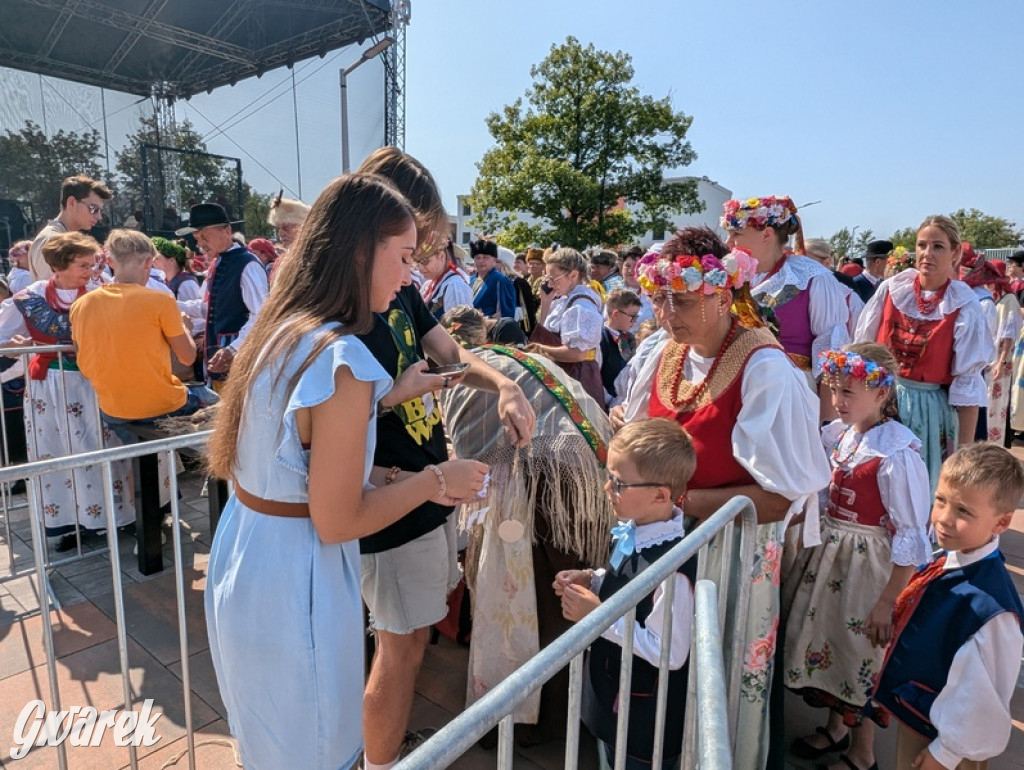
(448,369)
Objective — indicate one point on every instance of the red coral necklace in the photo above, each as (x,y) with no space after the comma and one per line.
(684,403)
(927,306)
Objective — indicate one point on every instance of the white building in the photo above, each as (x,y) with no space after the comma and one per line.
(710,193)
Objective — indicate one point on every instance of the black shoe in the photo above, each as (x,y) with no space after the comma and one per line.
(803,750)
(18,487)
(88,536)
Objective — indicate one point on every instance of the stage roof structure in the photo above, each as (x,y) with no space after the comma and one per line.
(177,48)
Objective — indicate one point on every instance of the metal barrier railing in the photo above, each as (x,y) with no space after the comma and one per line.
(715,750)
(105,458)
(34,392)
(710,690)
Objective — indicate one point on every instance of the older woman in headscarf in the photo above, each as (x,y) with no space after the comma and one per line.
(754,424)
(545,511)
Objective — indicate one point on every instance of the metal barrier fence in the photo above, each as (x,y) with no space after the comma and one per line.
(35,398)
(713,699)
(104,459)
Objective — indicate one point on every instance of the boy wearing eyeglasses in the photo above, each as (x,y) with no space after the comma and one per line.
(618,344)
(650,463)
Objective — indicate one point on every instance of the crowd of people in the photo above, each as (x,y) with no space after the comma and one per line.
(396,414)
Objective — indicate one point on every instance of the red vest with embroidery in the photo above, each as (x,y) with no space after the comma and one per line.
(710,424)
(923,349)
(854,496)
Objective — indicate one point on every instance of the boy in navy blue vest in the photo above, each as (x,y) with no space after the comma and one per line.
(952,665)
(650,462)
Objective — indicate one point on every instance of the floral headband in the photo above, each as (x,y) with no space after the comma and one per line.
(757,212)
(691,273)
(900,259)
(836,362)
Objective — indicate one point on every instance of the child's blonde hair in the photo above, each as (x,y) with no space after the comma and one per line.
(646,329)
(990,466)
(660,450)
(129,247)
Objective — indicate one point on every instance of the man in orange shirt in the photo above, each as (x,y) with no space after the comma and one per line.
(125,334)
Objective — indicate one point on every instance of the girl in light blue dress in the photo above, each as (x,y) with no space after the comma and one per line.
(296,432)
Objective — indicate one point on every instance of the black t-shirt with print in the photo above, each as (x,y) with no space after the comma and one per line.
(407,436)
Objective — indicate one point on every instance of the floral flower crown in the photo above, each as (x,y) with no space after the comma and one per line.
(687,272)
(757,212)
(900,259)
(837,362)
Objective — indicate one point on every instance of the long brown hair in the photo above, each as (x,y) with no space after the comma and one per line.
(324,277)
(417,184)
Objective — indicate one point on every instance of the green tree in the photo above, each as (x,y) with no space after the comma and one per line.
(986,232)
(907,238)
(585,141)
(257,207)
(979,229)
(841,243)
(174,178)
(863,239)
(33,165)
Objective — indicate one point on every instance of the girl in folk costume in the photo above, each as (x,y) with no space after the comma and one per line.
(61,415)
(754,425)
(839,596)
(937,332)
(172,259)
(808,304)
(447,286)
(990,277)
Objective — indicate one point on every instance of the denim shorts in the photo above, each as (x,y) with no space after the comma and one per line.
(406,588)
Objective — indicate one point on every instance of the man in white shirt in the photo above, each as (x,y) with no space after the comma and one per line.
(81,207)
(234,290)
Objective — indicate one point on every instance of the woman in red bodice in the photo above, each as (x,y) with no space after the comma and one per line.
(935,328)
(754,424)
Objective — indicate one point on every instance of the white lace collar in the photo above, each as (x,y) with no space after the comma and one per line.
(795,271)
(901,289)
(658,532)
(881,441)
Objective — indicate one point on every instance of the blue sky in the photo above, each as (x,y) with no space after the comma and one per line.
(884,111)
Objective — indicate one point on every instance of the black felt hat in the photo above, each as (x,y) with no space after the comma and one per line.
(878,250)
(204,215)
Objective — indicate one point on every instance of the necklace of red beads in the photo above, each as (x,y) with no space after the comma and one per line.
(928,306)
(842,461)
(683,404)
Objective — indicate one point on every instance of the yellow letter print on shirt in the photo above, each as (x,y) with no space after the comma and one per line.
(413,413)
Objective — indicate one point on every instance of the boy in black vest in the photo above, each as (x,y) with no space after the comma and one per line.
(952,664)
(617,341)
(650,462)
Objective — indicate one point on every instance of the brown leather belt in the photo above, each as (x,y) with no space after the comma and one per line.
(272,507)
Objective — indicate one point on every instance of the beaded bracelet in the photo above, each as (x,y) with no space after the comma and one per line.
(440,479)
(392,475)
